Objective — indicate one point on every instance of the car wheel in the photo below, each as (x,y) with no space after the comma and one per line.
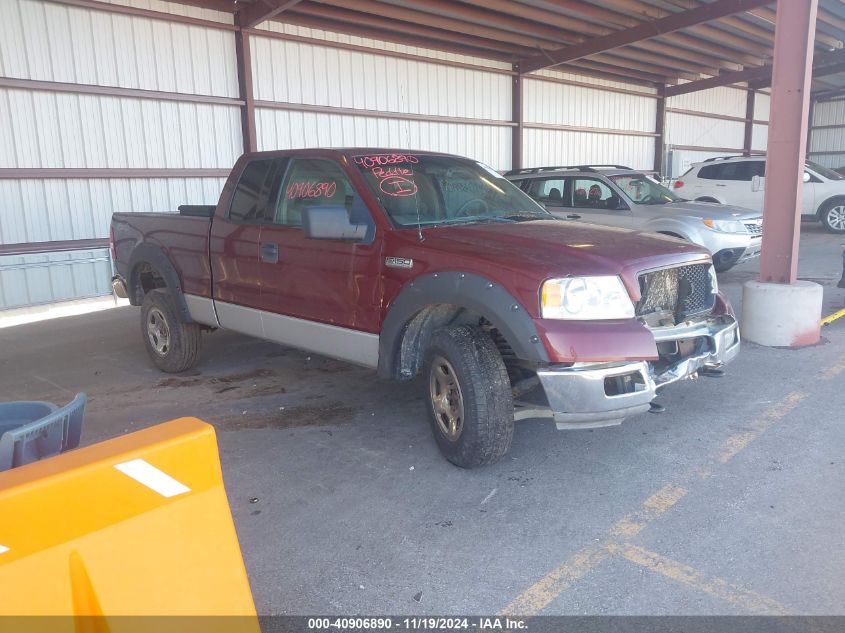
(469,397)
(172,345)
(833,216)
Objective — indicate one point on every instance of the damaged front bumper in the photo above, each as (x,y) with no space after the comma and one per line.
(591,395)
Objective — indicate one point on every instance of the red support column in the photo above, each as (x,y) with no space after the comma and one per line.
(244,62)
(516,116)
(778,310)
(749,122)
(660,130)
(791,74)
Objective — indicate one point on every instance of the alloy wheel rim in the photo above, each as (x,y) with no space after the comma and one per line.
(446,398)
(836,217)
(157,332)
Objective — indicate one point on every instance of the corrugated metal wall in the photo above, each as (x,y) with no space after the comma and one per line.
(312,88)
(361,98)
(52,129)
(691,136)
(616,117)
(827,145)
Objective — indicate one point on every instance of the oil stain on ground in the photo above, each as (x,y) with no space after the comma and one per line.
(289,417)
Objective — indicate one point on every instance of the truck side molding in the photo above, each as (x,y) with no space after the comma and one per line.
(408,315)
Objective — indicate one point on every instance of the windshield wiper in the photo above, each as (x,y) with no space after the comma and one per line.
(524,215)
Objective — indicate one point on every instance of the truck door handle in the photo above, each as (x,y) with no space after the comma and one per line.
(573,216)
(269,253)
(718,185)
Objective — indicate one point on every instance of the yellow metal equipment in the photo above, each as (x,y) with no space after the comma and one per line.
(137,525)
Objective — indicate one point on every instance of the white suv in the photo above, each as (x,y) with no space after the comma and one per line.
(740,180)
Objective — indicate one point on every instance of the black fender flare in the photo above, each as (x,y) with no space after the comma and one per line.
(467,291)
(152,254)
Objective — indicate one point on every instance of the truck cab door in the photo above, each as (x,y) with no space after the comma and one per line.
(332,282)
(233,250)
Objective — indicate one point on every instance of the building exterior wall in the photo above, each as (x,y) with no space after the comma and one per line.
(701,125)
(147,112)
(60,129)
(827,133)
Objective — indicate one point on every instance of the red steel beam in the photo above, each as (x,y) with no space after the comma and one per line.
(782,199)
(674,22)
(518,120)
(262,10)
(660,129)
(57,246)
(245,87)
(760,77)
(749,121)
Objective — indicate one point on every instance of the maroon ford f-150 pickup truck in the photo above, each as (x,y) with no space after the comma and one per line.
(418,262)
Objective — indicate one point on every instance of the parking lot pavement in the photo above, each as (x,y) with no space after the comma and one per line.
(731,502)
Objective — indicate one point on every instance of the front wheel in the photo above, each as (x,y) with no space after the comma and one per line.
(470,403)
(172,345)
(833,216)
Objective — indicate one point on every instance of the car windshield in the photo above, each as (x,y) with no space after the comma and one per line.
(641,189)
(432,190)
(825,172)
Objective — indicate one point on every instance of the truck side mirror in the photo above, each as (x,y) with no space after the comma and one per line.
(755,183)
(331,223)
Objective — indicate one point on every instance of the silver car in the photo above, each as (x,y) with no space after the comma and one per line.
(619,196)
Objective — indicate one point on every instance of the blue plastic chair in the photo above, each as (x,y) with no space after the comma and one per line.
(30,431)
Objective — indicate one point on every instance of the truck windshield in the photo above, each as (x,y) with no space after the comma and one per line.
(431,190)
(641,189)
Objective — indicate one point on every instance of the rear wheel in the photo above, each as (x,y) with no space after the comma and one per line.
(172,345)
(832,216)
(469,396)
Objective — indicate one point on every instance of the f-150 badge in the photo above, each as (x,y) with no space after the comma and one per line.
(398,262)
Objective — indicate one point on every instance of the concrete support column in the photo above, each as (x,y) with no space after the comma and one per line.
(776,310)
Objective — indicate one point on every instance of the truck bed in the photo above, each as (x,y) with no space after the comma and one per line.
(182,237)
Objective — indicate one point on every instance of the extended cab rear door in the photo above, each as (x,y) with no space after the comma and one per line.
(326,282)
(233,249)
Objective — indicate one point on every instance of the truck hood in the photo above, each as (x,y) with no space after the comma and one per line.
(540,249)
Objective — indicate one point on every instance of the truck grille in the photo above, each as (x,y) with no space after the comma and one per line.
(755,228)
(684,291)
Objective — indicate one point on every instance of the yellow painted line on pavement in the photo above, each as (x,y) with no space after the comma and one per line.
(832,317)
(735,443)
(717,587)
(541,593)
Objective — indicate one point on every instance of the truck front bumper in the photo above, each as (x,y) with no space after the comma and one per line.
(590,395)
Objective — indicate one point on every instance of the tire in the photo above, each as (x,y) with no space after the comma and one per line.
(832,216)
(466,380)
(172,345)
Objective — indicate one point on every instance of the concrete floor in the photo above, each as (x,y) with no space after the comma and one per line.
(729,503)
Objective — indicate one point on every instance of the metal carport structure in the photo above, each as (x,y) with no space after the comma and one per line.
(652,52)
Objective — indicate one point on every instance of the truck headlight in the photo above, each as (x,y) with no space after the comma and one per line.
(725,226)
(585,298)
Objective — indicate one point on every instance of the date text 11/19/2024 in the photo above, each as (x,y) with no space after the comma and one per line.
(417,624)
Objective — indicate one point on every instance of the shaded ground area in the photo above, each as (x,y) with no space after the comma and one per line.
(729,503)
